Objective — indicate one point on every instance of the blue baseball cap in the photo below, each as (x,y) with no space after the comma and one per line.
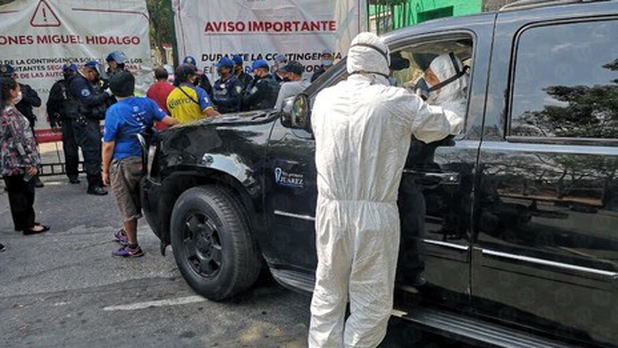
(237,59)
(260,63)
(6,70)
(69,66)
(225,62)
(280,58)
(189,60)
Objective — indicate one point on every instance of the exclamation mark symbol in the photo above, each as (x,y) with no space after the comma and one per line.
(44,15)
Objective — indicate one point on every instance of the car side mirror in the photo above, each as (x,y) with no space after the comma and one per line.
(296,113)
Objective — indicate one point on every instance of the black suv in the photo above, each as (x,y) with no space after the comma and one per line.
(521,238)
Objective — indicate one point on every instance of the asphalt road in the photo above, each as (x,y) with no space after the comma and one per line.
(63,289)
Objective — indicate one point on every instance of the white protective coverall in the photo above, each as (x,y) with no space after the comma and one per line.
(362,130)
(452,96)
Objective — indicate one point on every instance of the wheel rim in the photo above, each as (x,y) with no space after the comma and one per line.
(202,245)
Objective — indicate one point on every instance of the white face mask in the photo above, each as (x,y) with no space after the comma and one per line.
(18,98)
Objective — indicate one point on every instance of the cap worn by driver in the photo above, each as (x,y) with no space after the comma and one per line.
(260,63)
(6,70)
(225,62)
(293,67)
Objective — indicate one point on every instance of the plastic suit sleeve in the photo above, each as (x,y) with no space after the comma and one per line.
(430,123)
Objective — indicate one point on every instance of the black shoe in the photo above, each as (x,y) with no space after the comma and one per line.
(97,191)
(2,248)
(30,231)
(74,180)
(37,182)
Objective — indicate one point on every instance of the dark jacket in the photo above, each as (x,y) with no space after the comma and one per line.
(318,73)
(205,84)
(57,103)
(91,102)
(30,98)
(226,94)
(245,79)
(260,94)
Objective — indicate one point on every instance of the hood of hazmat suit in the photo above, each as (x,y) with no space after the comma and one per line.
(362,128)
(453,95)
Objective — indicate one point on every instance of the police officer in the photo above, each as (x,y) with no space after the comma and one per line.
(227,89)
(262,91)
(115,62)
(203,82)
(239,71)
(60,116)
(29,100)
(91,104)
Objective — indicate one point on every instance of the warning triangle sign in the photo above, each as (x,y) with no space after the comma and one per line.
(44,16)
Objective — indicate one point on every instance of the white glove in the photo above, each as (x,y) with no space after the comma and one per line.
(109,92)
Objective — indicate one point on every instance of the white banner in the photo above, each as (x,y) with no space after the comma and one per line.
(259,29)
(38,36)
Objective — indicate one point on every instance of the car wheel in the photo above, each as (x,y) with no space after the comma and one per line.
(212,242)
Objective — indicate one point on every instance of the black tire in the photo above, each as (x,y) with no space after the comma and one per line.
(212,242)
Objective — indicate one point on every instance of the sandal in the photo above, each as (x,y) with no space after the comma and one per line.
(30,231)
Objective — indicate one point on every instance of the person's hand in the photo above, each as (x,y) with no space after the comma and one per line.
(56,129)
(105,179)
(109,92)
(33,171)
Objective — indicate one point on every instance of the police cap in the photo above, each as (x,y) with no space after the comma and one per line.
(260,63)
(6,70)
(225,62)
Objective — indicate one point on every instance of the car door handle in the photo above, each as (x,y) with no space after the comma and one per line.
(451,178)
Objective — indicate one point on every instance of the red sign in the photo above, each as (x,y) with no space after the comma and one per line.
(44,16)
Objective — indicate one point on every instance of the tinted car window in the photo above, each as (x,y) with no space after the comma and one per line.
(566,81)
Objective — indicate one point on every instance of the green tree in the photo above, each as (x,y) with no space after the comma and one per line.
(161,24)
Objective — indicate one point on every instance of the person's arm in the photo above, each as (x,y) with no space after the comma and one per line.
(205,104)
(108,152)
(79,88)
(283,94)
(255,92)
(431,123)
(30,96)
(170,121)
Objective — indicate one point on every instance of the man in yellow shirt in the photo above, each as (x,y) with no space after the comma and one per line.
(188,102)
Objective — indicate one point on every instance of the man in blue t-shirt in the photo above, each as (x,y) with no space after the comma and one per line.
(122,154)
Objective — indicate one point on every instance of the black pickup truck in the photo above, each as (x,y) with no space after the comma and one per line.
(521,238)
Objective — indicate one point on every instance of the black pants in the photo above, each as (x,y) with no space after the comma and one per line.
(21,201)
(412,212)
(69,144)
(88,136)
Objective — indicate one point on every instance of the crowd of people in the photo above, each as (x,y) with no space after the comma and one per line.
(357,217)
(88,94)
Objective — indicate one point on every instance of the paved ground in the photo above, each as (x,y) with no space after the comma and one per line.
(63,289)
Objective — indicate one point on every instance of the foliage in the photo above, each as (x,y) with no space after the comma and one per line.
(161,24)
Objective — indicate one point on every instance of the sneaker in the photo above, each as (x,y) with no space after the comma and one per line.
(128,252)
(97,191)
(121,237)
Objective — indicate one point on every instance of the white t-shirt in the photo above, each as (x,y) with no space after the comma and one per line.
(290,89)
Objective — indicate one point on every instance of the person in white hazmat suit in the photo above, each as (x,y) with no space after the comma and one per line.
(362,128)
(447,81)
